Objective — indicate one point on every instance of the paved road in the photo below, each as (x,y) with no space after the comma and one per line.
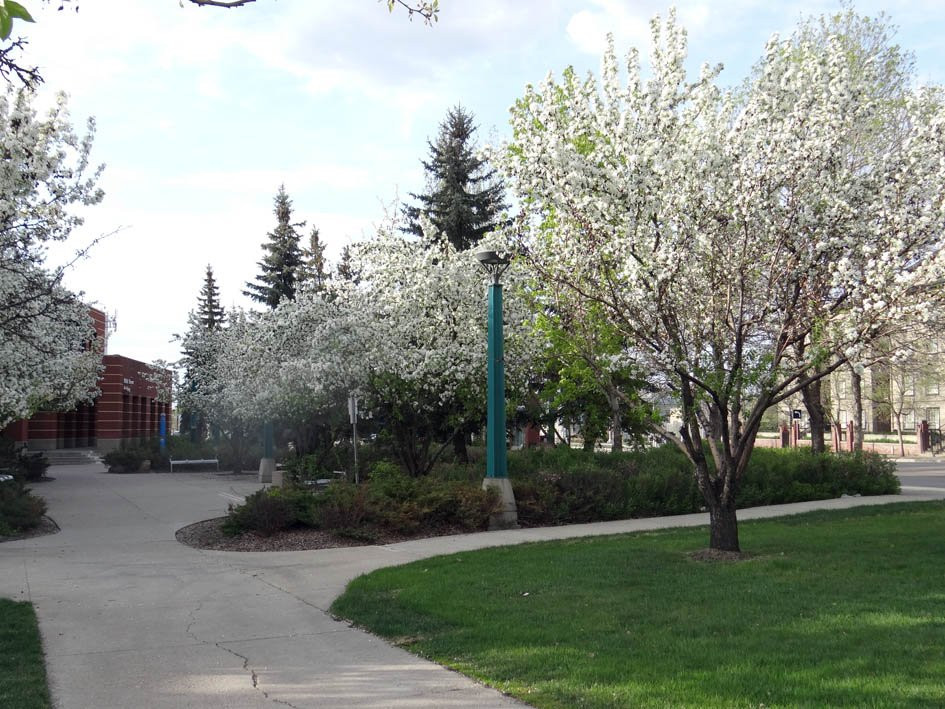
(131,618)
(922,476)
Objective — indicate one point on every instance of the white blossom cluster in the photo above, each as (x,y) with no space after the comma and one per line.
(416,313)
(47,354)
(742,238)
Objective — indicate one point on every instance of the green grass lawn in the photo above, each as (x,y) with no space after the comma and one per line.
(22,666)
(839,608)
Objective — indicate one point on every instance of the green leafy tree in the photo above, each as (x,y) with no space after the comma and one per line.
(466,197)
(281,267)
(587,383)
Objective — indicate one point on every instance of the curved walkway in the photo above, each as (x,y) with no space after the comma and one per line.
(130,617)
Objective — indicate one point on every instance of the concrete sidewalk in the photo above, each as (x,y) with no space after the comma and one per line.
(131,618)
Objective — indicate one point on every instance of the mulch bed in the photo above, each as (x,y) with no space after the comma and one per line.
(209,535)
(45,526)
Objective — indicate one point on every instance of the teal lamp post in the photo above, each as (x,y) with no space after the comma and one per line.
(497,476)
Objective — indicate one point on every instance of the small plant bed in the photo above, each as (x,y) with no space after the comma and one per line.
(840,608)
(43,527)
(210,534)
(389,507)
(22,514)
(23,671)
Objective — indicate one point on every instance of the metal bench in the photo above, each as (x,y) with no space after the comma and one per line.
(202,461)
(321,483)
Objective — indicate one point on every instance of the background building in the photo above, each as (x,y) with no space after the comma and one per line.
(133,398)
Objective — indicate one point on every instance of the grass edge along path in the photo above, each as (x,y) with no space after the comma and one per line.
(838,608)
(23,683)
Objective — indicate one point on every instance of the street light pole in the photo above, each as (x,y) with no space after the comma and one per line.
(497,476)
(267,464)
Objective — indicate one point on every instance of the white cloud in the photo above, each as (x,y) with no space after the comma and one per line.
(588,29)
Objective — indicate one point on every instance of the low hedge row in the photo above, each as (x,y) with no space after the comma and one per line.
(556,486)
(560,486)
(389,502)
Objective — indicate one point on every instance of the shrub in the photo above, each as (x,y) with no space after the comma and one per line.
(340,506)
(655,493)
(265,511)
(565,486)
(19,510)
(129,457)
(23,465)
(33,466)
(389,501)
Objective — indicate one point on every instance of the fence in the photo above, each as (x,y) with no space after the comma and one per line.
(928,440)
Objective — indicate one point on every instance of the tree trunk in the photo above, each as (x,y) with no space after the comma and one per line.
(459,447)
(902,445)
(856,391)
(616,429)
(814,404)
(723,527)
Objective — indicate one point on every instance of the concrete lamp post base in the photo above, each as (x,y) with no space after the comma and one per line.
(507,515)
(267,466)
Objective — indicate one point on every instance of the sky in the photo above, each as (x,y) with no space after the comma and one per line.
(202,113)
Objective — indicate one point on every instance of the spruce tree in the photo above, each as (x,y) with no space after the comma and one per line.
(209,310)
(346,270)
(466,196)
(314,274)
(282,262)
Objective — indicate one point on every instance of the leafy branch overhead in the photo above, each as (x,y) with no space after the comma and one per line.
(14,70)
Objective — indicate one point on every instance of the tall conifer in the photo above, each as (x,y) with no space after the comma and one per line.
(282,260)
(466,197)
(209,310)
(314,273)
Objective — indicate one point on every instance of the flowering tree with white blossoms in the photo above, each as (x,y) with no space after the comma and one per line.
(48,357)
(294,364)
(727,234)
(424,307)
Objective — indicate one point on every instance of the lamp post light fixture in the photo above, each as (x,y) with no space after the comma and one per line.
(497,475)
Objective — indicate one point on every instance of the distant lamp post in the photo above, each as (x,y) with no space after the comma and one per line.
(267,464)
(497,475)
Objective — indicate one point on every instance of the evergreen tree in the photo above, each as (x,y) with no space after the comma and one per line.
(466,196)
(314,274)
(282,263)
(209,310)
(346,271)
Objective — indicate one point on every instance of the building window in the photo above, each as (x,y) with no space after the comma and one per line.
(932,389)
(908,386)
(931,415)
(908,420)
(843,417)
(842,387)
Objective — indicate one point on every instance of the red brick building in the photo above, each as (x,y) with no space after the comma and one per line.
(126,411)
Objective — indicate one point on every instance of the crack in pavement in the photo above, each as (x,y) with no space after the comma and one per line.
(254,677)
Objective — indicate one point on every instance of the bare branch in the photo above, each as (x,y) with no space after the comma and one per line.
(11,68)
(219,3)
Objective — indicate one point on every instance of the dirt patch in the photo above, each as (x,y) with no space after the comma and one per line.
(209,535)
(714,555)
(46,526)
